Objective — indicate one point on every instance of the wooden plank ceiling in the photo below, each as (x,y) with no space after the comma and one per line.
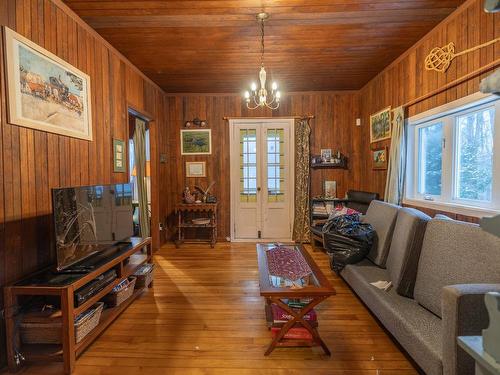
(213,45)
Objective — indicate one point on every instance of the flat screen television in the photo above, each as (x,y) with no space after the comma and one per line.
(89,220)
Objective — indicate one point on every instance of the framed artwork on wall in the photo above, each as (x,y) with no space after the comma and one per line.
(45,92)
(119,156)
(380,158)
(380,125)
(196,169)
(196,142)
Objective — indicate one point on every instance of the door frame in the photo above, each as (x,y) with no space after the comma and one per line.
(234,167)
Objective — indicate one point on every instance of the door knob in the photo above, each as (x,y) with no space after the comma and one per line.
(258,189)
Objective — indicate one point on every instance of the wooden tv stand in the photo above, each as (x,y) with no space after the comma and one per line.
(125,261)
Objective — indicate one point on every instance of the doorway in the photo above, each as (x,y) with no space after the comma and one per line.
(134,120)
(262,179)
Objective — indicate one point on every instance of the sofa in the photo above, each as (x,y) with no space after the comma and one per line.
(440,270)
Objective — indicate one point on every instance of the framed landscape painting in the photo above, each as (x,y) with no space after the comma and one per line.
(380,125)
(196,142)
(45,92)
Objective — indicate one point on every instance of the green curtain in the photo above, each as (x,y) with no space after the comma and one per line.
(301,230)
(140,164)
(394,187)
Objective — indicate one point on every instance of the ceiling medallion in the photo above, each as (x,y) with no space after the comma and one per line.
(261,97)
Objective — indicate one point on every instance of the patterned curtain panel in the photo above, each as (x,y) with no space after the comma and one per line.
(140,164)
(301,232)
(394,186)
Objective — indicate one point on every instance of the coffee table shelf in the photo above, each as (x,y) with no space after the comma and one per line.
(316,288)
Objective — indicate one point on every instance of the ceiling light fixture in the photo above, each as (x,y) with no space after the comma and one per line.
(260,97)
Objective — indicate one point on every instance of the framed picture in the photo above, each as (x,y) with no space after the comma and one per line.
(45,92)
(119,156)
(380,158)
(196,142)
(196,169)
(330,189)
(380,125)
(326,154)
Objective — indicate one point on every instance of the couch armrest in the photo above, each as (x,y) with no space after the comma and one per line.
(464,314)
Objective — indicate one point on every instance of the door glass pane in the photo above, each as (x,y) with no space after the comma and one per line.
(248,165)
(475,155)
(275,139)
(430,159)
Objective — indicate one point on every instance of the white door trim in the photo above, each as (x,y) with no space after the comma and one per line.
(234,169)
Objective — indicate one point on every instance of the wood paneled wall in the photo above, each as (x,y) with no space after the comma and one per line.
(32,162)
(406,79)
(332,128)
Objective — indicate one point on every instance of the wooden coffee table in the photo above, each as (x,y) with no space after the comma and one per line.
(314,287)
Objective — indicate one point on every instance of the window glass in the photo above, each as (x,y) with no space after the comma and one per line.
(431,159)
(248,165)
(275,165)
(474,155)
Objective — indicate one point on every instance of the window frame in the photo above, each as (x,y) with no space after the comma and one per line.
(448,115)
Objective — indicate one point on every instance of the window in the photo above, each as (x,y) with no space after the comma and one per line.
(275,165)
(454,155)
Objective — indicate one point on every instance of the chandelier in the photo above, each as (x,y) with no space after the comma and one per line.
(260,97)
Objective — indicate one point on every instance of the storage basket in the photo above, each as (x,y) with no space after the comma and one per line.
(116,298)
(87,321)
(41,327)
(144,275)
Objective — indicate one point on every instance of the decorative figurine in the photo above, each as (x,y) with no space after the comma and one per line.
(205,192)
(491,335)
(188,197)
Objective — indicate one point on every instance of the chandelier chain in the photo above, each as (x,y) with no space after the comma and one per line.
(262,42)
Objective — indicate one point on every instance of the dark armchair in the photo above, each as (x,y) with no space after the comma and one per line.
(360,200)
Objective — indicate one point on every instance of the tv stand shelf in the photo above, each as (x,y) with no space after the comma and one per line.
(126,260)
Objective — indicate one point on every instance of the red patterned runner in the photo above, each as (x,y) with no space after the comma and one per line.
(287,263)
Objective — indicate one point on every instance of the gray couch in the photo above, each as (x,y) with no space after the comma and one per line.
(440,269)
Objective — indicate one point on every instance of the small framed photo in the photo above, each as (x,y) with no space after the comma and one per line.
(330,189)
(196,142)
(119,156)
(196,169)
(380,158)
(326,154)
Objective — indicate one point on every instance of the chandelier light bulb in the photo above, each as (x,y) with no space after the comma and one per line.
(278,95)
(247,95)
(254,86)
(274,86)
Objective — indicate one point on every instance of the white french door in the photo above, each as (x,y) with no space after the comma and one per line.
(262,181)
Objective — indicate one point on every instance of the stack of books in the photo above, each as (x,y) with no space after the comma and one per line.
(277,317)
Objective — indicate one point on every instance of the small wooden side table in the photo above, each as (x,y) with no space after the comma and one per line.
(186,212)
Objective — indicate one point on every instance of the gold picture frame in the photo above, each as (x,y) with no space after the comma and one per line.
(381,125)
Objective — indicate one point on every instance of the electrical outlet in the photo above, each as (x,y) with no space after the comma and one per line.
(160,225)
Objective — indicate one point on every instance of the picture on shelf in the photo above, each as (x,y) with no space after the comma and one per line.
(330,189)
(326,154)
(380,125)
(380,158)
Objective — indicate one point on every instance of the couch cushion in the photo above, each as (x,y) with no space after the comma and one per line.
(382,216)
(415,328)
(406,244)
(454,252)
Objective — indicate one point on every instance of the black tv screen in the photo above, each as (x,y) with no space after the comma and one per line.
(90,219)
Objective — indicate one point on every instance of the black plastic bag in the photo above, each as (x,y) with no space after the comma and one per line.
(347,240)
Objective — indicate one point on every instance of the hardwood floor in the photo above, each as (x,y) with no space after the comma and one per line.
(205,316)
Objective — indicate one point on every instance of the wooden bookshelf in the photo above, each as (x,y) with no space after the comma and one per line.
(126,260)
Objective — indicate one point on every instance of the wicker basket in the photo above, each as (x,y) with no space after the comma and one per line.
(114,299)
(144,279)
(85,325)
(41,327)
